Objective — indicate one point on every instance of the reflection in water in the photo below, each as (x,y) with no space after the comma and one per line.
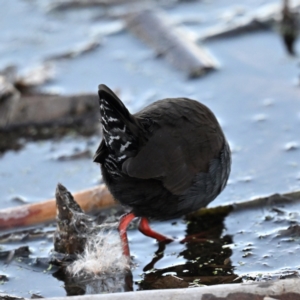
(159,254)
(206,252)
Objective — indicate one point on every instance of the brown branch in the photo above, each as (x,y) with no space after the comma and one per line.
(36,213)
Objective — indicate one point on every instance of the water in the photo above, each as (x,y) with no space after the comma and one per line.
(254,94)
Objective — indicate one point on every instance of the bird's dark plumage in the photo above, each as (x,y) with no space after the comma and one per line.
(167,160)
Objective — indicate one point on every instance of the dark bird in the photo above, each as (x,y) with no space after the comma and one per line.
(167,160)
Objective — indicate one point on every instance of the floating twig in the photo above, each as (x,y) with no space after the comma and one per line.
(156,30)
(41,212)
(77,51)
(42,109)
(69,4)
(264,17)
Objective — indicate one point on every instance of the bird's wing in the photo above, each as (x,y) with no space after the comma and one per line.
(171,158)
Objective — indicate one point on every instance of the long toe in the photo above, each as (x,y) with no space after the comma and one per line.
(145,228)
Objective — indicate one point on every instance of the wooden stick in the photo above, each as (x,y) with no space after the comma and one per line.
(46,109)
(265,16)
(9,99)
(71,4)
(36,213)
(156,30)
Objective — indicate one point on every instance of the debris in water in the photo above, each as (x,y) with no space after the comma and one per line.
(97,248)
(9,99)
(71,4)
(76,155)
(80,50)
(289,27)
(155,29)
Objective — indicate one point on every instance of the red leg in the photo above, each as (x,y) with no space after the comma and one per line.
(123,224)
(146,230)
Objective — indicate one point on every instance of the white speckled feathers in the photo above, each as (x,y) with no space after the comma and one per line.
(119,130)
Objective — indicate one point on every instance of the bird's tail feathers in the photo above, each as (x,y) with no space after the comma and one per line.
(113,109)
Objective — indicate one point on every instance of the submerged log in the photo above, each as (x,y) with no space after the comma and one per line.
(42,109)
(36,213)
(40,116)
(156,30)
(9,99)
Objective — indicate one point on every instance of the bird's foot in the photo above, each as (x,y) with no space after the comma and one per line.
(145,228)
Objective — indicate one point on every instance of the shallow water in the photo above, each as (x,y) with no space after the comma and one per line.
(255,95)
